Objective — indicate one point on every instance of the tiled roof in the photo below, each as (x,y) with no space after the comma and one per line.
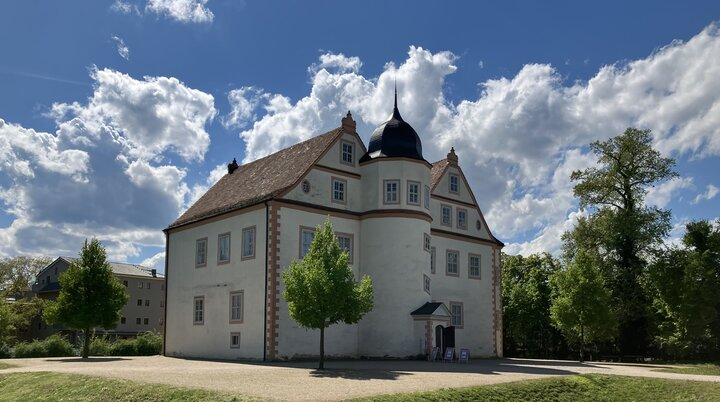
(120,268)
(258,181)
(437,170)
(430,308)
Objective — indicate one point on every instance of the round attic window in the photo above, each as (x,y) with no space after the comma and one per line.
(478,225)
(305,186)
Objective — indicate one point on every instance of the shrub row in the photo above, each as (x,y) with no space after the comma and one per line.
(53,346)
(147,344)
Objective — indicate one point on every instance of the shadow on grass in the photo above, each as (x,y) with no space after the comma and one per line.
(88,360)
(350,374)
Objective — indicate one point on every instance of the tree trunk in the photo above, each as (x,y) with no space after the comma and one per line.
(582,343)
(86,344)
(322,349)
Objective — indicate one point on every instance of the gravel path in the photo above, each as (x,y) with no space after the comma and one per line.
(342,379)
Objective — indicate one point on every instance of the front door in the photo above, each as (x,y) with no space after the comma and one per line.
(449,337)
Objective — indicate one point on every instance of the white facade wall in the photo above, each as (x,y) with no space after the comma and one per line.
(215,282)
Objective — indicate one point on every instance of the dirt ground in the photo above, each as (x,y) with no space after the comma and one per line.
(341,379)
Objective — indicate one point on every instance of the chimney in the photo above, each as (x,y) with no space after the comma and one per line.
(452,157)
(153,272)
(232,166)
(348,123)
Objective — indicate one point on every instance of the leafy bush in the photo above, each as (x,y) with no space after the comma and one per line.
(124,347)
(100,346)
(53,346)
(5,351)
(149,344)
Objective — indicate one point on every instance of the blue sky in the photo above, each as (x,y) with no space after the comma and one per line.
(117,115)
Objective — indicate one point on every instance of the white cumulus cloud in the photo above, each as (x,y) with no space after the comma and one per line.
(710,192)
(122,48)
(182,10)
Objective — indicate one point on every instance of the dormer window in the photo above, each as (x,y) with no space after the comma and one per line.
(454,183)
(348,153)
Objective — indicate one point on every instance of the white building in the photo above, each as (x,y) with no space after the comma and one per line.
(413,226)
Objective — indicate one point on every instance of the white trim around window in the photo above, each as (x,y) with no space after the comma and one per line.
(457,318)
(237,305)
(474,266)
(426,242)
(338,190)
(433,259)
(201,252)
(426,196)
(234,340)
(248,243)
(426,284)
(391,191)
(454,184)
(452,263)
(307,235)
(462,217)
(199,310)
(346,241)
(223,249)
(413,192)
(347,155)
(448,215)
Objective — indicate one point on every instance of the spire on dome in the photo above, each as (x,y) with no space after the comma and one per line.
(396,112)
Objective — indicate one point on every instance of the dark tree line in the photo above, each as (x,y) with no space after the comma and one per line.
(650,299)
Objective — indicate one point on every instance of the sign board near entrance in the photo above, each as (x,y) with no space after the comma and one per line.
(434,353)
(449,352)
(464,355)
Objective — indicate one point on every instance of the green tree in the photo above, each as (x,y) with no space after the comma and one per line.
(621,231)
(685,284)
(580,306)
(90,295)
(18,273)
(17,311)
(322,291)
(528,330)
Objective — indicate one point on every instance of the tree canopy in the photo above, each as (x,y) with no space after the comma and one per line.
(90,294)
(322,291)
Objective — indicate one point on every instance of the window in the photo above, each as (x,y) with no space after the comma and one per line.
(234,340)
(248,243)
(456,312)
(198,310)
(224,248)
(138,321)
(426,242)
(427,197)
(148,285)
(453,183)
(452,258)
(147,303)
(125,283)
(146,321)
(433,259)
(338,190)
(392,188)
(306,237)
(462,218)
(139,302)
(426,283)
(446,215)
(123,320)
(236,306)
(140,284)
(413,193)
(348,153)
(346,244)
(201,252)
(474,266)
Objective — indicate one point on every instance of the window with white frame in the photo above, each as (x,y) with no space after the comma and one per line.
(456,314)
(462,218)
(392,188)
(236,306)
(427,197)
(426,242)
(201,252)
(346,244)
(234,340)
(433,259)
(426,283)
(413,191)
(452,259)
(306,237)
(248,243)
(199,310)
(224,248)
(454,183)
(348,154)
(474,266)
(338,190)
(446,218)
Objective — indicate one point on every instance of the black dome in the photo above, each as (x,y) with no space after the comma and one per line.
(395,137)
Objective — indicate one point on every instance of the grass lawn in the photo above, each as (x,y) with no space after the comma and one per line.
(576,388)
(32,387)
(704,369)
(5,365)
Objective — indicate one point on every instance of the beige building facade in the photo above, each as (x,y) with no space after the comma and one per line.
(414,227)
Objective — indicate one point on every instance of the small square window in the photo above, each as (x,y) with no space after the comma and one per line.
(201,252)
(426,283)
(452,260)
(413,193)
(224,248)
(346,244)
(234,340)
(306,237)
(474,266)
(446,215)
(199,310)
(433,259)
(427,197)
(138,321)
(392,190)
(456,314)
(426,242)
(248,243)
(338,190)
(348,153)
(462,218)
(454,183)
(147,303)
